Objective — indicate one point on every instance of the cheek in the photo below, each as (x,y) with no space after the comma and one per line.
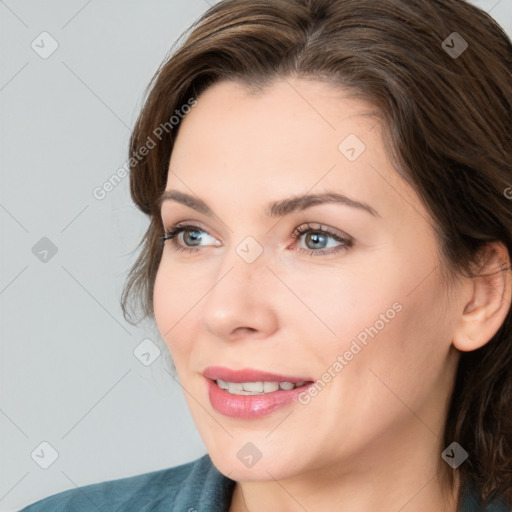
(383,314)
(162,308)
(406,350)
(345,301)
(173,301)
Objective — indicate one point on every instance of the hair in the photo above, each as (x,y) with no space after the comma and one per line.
(447,127)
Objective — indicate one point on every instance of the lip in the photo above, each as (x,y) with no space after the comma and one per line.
(249,375)
(250,406)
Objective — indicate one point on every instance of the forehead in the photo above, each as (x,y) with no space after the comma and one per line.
(294,121)
(292,136)
(283,103)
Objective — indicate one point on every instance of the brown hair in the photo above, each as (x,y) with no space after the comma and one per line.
(447,127)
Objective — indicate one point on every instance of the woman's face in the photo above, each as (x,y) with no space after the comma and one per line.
(357,308)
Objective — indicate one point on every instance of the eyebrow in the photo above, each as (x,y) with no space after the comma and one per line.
(274,209)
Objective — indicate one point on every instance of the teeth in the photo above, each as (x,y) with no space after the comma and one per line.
(255,388)
(268,387)
(222,384)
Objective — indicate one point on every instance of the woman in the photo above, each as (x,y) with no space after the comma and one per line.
(328,259)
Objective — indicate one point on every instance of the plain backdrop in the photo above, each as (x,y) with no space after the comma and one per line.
(74,395)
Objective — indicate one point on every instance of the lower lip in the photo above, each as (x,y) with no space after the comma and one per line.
(250,406)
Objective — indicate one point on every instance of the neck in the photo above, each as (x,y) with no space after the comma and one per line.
(390,484)
(249,498)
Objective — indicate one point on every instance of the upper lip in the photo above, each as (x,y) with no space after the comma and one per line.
(249,375)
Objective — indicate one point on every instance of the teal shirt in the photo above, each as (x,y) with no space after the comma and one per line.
(194,487)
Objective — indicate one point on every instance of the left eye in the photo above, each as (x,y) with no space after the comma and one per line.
(315,238)
(319,236)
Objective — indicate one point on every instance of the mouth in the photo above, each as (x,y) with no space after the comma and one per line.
(251,393)
(257,388)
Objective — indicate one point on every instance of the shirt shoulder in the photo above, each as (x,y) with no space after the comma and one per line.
(194,486)
(470,502)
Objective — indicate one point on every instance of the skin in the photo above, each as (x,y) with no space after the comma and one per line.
(372,438)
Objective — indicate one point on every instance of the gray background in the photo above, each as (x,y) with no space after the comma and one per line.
(68,372)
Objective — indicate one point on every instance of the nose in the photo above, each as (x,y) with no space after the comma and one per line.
(240,302)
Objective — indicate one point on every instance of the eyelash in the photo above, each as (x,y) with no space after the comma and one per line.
(172,233)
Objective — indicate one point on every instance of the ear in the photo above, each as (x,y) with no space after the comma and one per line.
(489,300)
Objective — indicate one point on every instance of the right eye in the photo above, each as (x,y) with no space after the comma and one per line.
(191,235)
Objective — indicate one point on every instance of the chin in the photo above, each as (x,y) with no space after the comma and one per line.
(245,462)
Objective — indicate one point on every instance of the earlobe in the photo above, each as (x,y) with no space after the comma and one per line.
(489,300)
